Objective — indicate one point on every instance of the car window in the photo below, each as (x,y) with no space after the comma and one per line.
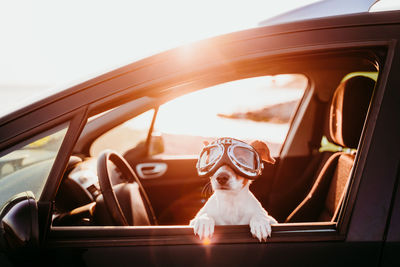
(27,165)
(125,136)
(255,108)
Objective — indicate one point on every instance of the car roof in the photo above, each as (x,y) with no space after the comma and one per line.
(328,8)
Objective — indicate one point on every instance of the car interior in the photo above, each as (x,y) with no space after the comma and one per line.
(315,159)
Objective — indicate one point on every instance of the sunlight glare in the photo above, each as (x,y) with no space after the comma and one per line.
(206,241)
(53,45)
(206,112)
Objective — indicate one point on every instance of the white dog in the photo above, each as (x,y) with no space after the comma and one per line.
(232,203)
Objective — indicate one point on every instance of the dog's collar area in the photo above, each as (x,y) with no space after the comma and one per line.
(240,156)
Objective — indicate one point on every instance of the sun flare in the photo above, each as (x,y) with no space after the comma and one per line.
(221,110)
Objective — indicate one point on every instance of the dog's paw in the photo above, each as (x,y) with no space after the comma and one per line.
(260,226)
(203,226)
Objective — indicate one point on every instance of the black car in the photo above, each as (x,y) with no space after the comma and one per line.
(103,173)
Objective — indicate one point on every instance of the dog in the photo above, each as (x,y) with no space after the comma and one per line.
(232,203)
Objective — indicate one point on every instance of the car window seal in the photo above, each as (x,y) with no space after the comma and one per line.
(182,234)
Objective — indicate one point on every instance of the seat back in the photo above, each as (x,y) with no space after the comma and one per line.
(349,107)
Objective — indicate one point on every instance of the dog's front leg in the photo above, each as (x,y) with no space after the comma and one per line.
(260,226)
(203,226)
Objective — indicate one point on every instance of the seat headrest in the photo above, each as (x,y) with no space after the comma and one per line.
(348,110)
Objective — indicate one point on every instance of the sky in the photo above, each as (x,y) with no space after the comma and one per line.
(49,43)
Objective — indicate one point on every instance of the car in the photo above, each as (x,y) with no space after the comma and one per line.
(104,173)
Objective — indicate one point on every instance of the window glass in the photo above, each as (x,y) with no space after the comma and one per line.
(125,136)
(255,108)
(26,166)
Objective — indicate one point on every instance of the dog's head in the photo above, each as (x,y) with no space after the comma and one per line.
(226,179)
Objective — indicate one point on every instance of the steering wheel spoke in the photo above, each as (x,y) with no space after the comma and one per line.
(113,206)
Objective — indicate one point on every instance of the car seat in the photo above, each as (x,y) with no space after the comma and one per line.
(348,110)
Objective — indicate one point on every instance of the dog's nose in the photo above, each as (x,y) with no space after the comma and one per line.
(222,178)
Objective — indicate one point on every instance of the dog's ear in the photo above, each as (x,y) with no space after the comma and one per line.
(263,150)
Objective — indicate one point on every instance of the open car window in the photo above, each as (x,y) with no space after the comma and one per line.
(259,108)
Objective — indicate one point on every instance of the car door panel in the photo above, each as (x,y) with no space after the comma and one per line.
(151,170)
(391,246)
(233,245)
(179,193)
(302,254)
(176,195)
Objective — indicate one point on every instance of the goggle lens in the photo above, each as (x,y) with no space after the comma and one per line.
(245,157)
(209,156)
(242,157)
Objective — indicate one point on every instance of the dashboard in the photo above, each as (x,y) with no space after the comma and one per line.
(80,185)
(75,203)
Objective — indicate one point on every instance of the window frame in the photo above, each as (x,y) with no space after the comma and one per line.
(367,135)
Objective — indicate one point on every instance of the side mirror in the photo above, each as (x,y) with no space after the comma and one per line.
(19,223)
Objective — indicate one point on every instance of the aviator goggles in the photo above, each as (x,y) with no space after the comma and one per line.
(240,156)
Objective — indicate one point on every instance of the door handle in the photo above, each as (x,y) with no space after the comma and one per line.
(151,170)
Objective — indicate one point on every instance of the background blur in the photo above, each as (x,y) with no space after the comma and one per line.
(48,44)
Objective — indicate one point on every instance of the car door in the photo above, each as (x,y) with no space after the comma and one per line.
(355,238)
(392,236)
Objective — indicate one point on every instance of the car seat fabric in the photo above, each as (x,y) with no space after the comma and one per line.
(337,186)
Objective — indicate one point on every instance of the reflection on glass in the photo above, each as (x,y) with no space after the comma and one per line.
(28,164)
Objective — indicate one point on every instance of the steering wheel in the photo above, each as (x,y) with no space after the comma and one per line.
(109,195)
